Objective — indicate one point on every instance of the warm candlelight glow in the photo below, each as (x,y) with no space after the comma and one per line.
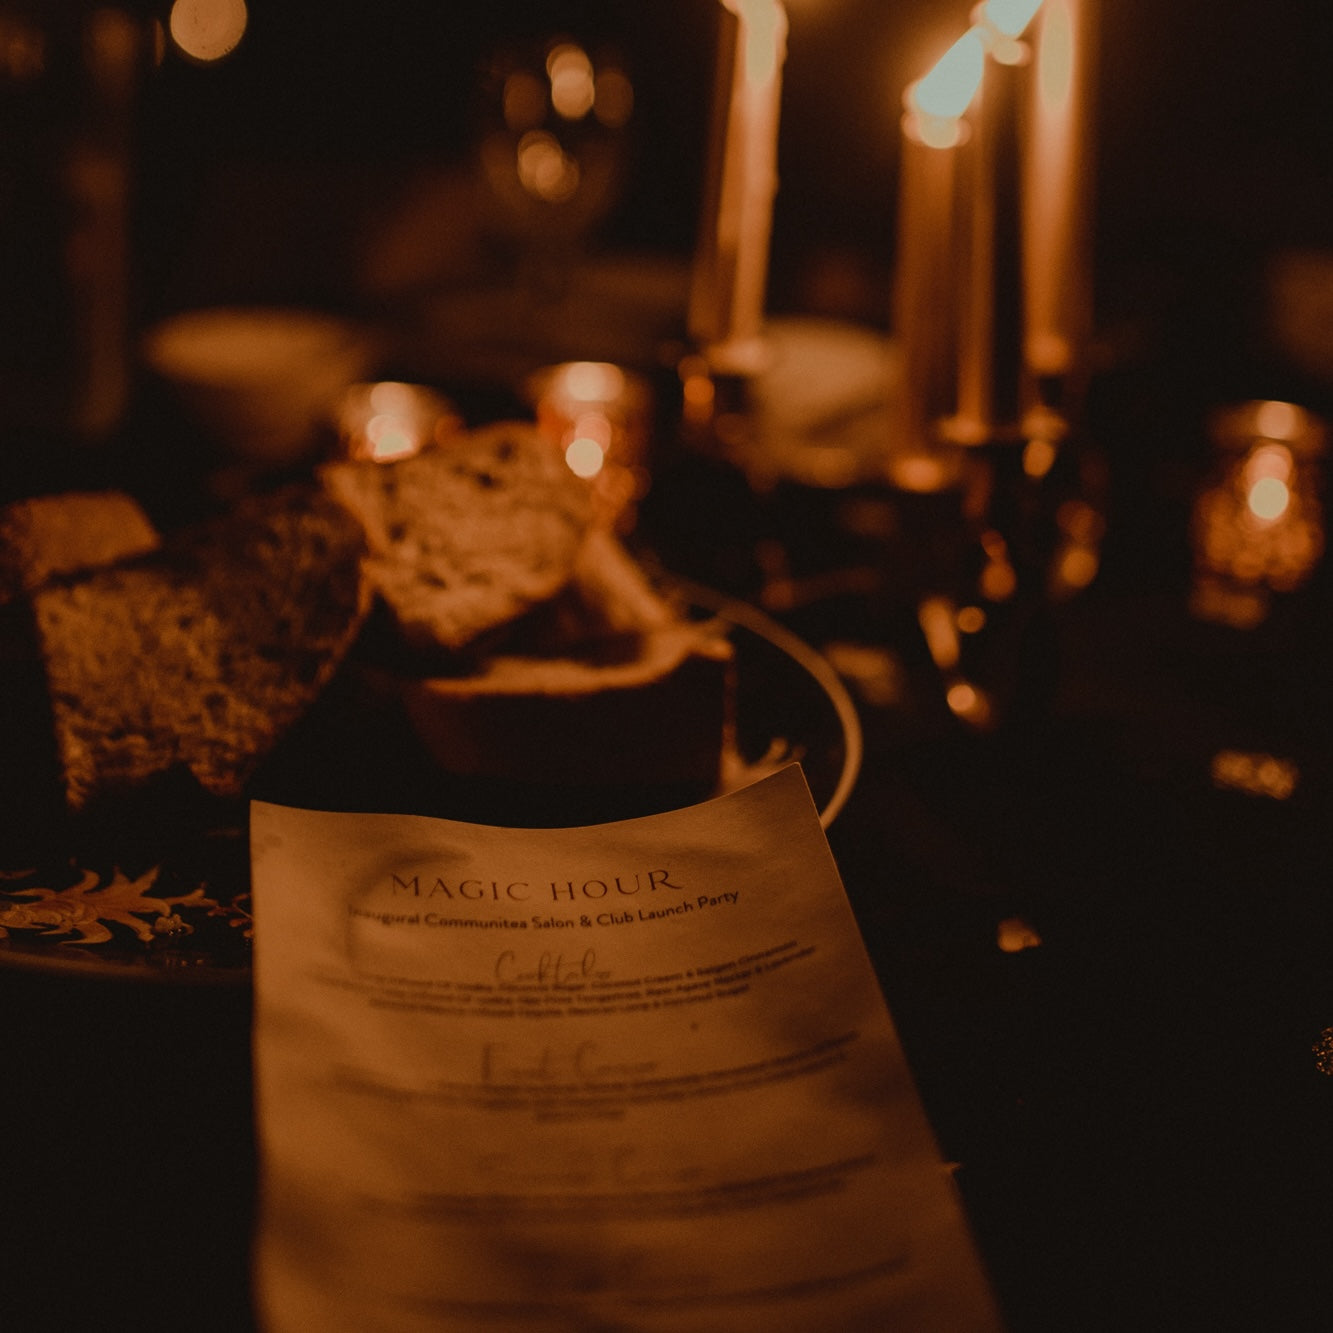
(1074,569)
(1077,558)
(1013,935)
(207,30)
(1266,475)
(1268,498)
(1275,420)
(584,456)
(922,471)
(939,627)
(697,390)
(1010,17)
(572,88)
(1001,24)
(597,414)
(764,26)
(971,620)
(592,381)
(969,704)
(962,697)
(1039,455)
(1258,525)
(998,580)
(948,89)
(1255,774)
(388,420)
(545,170)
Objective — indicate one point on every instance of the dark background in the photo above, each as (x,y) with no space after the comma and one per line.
(1214,128)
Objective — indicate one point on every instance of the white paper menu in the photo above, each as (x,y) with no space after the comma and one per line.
(638,1076)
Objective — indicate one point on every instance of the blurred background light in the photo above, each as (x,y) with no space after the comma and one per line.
(207,30)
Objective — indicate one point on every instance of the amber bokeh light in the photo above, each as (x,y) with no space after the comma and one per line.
(207,30)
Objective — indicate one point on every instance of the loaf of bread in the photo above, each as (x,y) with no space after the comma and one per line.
(49,536)
(524,642)
(199,656)
(468,536)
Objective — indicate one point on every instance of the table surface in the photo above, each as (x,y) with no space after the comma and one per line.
(1135,1104)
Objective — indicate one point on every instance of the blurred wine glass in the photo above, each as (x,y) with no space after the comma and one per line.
(552,149)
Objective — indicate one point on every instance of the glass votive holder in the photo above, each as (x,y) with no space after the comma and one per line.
(387,420)
(598,414)
(1257,525)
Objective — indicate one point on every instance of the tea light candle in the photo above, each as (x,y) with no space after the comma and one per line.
(598,414)
(388,420)
(731,265)
(1258,527)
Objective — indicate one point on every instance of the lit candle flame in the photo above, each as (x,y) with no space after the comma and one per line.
(764,23)
(592,381)
(597,415)
(948,89)
(388,420)
(1268,498)
(1010,17)
(1267,474)
(584,456)
(1278,421)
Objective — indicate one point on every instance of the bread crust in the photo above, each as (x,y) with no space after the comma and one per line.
(51,536)
(661,717)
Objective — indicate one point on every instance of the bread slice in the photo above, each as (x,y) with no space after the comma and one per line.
(201,655)
(466,536)
(608,684)
(657,718)
(49,536)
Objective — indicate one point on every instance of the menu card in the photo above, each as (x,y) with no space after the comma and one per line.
(636,1076)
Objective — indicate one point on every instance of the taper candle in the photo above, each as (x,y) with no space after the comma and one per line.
(1057,184)
(925,288)
(730,277)
(990,336)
